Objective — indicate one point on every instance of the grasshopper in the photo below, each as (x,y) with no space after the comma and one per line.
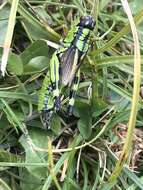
(65,69)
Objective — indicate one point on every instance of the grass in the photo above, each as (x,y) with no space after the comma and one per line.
(100,147)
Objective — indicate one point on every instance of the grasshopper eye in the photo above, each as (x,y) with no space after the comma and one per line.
(87,22)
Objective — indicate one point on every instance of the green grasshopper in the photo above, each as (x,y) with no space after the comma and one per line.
(65,69)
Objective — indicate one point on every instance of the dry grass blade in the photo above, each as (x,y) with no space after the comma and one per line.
(9,35)
(127,146)
(51,165)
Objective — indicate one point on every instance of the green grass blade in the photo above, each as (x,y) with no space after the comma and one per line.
(3,185)
(115,60)
(85,175)
(15,95)
(44,29)
(118,36)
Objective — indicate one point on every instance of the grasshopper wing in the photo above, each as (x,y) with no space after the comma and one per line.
(69,65)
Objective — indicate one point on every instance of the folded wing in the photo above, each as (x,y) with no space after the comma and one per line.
(69,65)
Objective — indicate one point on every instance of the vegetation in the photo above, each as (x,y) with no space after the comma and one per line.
(96,148)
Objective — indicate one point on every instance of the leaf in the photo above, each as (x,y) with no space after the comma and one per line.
(84,126)
(15,65)
(85,121)
(38,48)
(39,138)
(36,64)
(98,107)
(30,182)
(55,124)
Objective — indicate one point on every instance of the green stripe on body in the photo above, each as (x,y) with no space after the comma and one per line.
(54,68)
(71,101)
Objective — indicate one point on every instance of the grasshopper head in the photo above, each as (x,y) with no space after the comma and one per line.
(87,22)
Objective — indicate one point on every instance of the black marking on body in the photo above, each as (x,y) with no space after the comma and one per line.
(72,94)
(75,80)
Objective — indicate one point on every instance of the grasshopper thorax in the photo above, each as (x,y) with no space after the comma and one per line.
(87,22)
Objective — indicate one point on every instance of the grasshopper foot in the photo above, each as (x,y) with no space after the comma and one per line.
(70,110)
(46,118)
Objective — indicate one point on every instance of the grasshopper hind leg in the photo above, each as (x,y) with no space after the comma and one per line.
(51,104)
(73,93)
(47,106)
(47,113)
